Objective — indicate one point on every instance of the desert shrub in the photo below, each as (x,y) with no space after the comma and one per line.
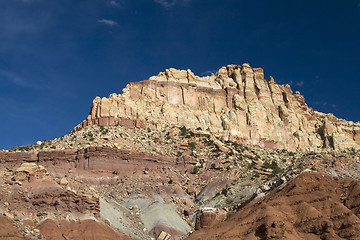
(105,131)
(274,166)
(208,142)
(251,165)
(183,131)
(195,170)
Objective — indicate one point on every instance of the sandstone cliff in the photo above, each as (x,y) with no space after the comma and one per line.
(236,104)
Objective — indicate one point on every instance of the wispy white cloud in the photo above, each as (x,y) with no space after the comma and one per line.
(171,3)
(299,84)
(108,22)
(116,4)
(18,81)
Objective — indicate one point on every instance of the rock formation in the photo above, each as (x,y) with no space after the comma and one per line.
(236,104)
(154,163)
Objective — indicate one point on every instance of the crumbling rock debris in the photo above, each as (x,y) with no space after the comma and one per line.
(207,217)
(164,236)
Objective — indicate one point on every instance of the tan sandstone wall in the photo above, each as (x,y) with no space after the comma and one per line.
(236,103)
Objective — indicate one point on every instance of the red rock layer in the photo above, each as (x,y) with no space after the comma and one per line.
(8,230)
(313,206)
(79,230)
(91,158)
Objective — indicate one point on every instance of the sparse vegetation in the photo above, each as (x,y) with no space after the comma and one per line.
(195,170)
(251,165)
(184,131)
(208,142)
(274,166)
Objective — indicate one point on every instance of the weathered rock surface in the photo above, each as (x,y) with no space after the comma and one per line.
(236,103)
(313,206)
(207,217)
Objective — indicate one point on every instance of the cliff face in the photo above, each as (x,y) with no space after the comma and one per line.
(236,104)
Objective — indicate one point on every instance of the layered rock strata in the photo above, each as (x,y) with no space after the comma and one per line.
(92,158)
(236,103)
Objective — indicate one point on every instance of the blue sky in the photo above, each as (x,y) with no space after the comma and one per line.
(57,55)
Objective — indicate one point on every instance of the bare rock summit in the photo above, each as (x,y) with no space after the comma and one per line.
(236,103)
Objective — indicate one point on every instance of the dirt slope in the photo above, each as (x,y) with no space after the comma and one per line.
(312,206)
(80,230)
(8,230)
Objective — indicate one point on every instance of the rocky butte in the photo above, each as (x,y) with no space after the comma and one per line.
(236,103)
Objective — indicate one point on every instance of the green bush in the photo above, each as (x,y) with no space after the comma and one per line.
(184,131)
(192,145)
(195,170)
(251,165)
(274,166)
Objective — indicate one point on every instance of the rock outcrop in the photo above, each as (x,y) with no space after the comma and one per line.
(88,159)
(236,103)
